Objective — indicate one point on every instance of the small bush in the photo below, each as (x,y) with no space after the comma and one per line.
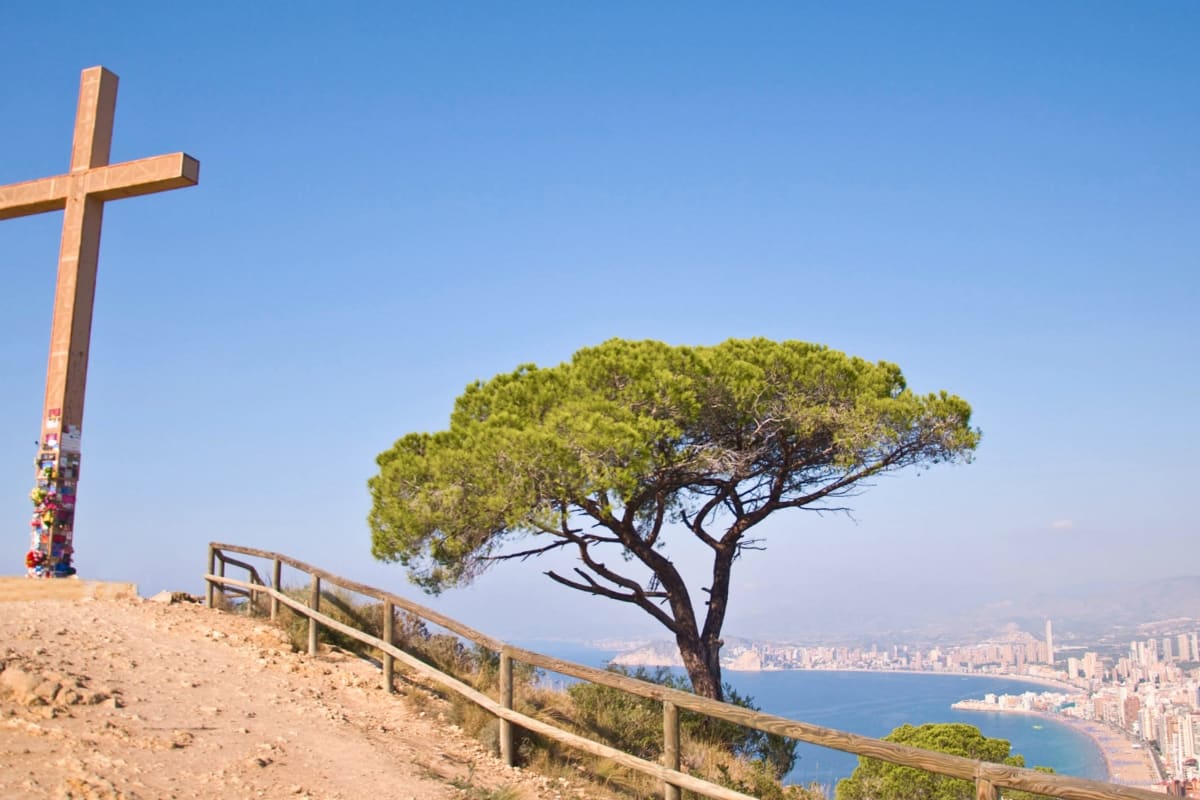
(341,606)
(634,724)
(622,720)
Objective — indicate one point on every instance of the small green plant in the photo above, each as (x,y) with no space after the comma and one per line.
(634,724)
(758,778)
(341,606)
(879,780)
(470,790)
(505,793)
(624,721)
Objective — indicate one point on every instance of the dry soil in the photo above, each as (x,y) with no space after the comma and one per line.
(131,699)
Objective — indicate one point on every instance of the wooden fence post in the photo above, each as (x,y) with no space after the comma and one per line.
(389,636)
(506,700)
(212,570)
(670,746)
(221,573)
(984,789)
(275,575)
(314,602)
(253,604)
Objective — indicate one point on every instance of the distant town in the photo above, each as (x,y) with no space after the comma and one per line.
(1147,688)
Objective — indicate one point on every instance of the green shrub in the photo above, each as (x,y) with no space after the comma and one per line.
(341,606)
(634,724)
(873,779)
(622,720)
(757,778)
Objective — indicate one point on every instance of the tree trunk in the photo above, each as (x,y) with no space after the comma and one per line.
(703,664)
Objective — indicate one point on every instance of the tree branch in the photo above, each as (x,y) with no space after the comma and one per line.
(660,513)
(684,616)
(591,587)
(526,554)
(846,481)
(697,526)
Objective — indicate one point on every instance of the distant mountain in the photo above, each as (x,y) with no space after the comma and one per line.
(736,654)
(1080,611)
(653,654)
(1093,609)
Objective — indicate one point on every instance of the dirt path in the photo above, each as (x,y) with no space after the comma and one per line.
(132,700)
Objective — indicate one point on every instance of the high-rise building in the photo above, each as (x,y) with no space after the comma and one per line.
(1185,650)
(1131,707)
(1049,643)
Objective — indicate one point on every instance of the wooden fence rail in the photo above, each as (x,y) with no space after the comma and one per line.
(988,777)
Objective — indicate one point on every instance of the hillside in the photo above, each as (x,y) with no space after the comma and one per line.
(132,700)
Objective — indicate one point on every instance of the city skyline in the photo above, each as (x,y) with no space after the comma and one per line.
(1146,688)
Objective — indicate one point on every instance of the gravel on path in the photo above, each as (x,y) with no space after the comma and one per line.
(133,699)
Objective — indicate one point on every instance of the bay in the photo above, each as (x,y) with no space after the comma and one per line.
(875,703)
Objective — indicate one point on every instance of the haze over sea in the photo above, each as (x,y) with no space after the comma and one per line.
(874,703)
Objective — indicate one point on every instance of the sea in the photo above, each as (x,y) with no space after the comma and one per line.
(874,703)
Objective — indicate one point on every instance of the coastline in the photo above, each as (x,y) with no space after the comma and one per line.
(1047,683)
(1125,764)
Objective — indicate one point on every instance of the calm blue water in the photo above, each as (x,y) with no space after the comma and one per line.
(874,703)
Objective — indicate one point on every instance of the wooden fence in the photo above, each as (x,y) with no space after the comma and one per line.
(989,778)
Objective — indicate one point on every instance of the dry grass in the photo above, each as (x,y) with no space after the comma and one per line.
(606,716)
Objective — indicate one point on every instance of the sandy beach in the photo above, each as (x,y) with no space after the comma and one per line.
(1127,765)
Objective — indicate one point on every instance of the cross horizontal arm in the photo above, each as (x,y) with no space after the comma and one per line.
(34,197)
(127,179)
(144,176)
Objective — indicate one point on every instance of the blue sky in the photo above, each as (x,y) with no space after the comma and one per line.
(396,200)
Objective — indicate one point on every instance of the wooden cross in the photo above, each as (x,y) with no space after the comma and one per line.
(82,193)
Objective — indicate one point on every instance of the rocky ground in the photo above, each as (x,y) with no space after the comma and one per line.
(134,699)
